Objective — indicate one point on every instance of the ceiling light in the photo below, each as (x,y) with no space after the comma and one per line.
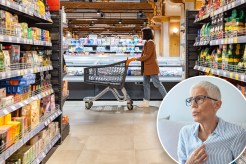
(175,30)
(98,12)
(120,21)
(102,14)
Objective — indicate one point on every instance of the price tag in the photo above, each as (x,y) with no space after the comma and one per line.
(1,38)
(226,41)
(242,1)
(242,78)
(8,4)
(222,41)
(229,6)
(225,7)
(22,72)
(35,70)
(231,75)
(224,73)
(233,4)
(235,39)
(236,76)
(217,42)
(5,111)
(221,10)
(207,70)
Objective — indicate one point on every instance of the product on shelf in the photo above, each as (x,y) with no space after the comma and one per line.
(14,51)
(235,23)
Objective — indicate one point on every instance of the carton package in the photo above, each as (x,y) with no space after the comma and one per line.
(2,92)
(10,134)
(35,113)
(16,127)
(3,140)
(6,101)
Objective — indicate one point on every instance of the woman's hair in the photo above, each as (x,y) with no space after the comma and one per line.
(213,91)
(147,34)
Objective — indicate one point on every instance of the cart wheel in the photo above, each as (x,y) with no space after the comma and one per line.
(88,104)
(129,106)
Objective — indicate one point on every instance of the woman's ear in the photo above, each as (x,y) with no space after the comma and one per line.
(217,104)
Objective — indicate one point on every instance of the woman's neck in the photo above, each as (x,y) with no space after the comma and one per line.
(205,129)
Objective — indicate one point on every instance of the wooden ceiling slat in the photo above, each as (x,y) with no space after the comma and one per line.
(107,21)
(109,6)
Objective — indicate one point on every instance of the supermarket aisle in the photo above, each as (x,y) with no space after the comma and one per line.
(116,137)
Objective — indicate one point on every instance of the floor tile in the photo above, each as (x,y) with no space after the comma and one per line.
(106,157)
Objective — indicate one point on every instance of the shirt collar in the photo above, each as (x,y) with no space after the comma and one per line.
(218,130)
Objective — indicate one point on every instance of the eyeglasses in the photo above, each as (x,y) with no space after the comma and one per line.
(198,99)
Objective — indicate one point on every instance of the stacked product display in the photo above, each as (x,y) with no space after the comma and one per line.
(35,146)
(27,102)
(225,53)
(11,26)
(105,46)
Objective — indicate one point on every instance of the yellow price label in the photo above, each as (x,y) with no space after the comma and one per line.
(226,41)
(22,72)
(35,70)
(235,39)
(236,76)
(207,70)
(231,74)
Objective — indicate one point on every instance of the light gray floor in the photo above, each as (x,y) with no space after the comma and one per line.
(112,136)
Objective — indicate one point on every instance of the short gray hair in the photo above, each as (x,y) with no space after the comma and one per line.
(213,91)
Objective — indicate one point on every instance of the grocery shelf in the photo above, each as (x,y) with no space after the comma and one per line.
(12,149)
(228,7)
(13,39)
(47,148)
(21,10)
(233,40)
(71,78)
(21,72)
(204,18)
(18,105)
(223,73)
(203,43)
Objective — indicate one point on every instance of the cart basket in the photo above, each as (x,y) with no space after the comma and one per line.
(112,75)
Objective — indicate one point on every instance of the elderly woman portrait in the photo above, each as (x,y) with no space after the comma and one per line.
(210,140)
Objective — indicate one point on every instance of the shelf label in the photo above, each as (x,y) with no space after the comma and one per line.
(236,76)
(229,6)
(242,1)
(235,39)
(217,42)
(231,75)
(22,72)
(242,78)
(226,41)
(207,70)
(222,41)
(233,4)
(8,4)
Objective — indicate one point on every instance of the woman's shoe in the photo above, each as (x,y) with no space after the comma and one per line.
(144,104)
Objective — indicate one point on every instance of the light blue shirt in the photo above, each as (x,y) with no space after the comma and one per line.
(222,146)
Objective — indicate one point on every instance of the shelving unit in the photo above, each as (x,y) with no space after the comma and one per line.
(32,18)
(58,49)
(25,12)
(7,153)
(237,74)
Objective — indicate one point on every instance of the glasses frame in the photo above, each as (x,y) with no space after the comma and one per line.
(189,100)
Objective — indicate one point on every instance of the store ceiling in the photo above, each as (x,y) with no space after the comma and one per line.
(113,16)
(118,17)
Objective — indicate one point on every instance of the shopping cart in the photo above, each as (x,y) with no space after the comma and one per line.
(113,76)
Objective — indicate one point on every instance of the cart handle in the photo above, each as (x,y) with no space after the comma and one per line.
(128,61)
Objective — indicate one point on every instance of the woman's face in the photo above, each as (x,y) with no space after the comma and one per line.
(205,111)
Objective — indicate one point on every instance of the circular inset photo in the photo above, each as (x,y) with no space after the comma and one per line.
(203,120)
